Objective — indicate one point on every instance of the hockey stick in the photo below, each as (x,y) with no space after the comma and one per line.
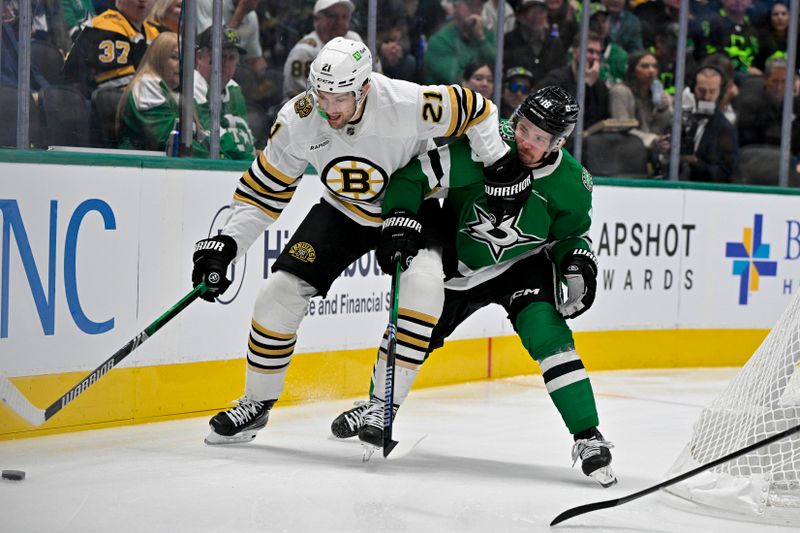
(36,416)
(589,507)
(391,346)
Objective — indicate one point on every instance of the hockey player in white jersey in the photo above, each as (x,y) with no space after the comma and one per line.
(356,128)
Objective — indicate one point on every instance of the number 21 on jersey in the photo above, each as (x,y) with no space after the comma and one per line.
(432,108)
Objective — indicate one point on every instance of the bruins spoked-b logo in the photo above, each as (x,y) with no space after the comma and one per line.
(302,251)
(354,178)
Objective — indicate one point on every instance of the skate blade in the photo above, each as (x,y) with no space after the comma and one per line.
(215,439)
(605,476)
(368,450)
(334,436)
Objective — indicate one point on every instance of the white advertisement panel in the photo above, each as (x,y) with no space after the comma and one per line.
(749,259)
(68,265)
(89,264)
(683,258)
(644,251)
(89,256)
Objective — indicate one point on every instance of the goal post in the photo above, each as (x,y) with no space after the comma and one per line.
(762,400)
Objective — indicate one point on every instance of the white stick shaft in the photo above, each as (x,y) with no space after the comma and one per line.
(18,403)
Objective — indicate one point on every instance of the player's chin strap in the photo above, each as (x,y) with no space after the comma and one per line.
(548,159)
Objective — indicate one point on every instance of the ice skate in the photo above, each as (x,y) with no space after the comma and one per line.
(371,434)
(595,455)
(349,423)
(239,423)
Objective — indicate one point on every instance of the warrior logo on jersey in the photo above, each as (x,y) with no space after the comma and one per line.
(354,178)
(303,251)
(587,180)
(303,106)
(498,238)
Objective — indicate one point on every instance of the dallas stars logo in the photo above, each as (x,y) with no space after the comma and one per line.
(498,238)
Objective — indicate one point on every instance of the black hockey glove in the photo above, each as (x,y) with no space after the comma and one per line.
(211,259)
(507,183)
(401,236)
(580,272)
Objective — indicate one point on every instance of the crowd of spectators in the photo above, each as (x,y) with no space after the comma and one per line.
(127,52)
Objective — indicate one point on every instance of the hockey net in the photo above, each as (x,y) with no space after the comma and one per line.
(762,400)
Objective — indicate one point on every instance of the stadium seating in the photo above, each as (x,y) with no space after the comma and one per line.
(64,116)
(617,155)
(8,118)
(104,116)
(48,59)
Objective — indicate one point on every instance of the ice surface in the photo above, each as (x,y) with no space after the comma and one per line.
(496,459)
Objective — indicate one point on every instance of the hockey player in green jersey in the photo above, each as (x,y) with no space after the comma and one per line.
(511,243)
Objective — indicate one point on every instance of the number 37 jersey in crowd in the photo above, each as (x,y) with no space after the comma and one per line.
(355,163)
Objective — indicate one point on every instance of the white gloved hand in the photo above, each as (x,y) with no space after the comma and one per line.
(580,274)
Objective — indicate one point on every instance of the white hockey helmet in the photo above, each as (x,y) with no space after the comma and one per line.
(342,66)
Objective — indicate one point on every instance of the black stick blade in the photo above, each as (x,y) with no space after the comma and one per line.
(582,509)
(569,513)
(388,447)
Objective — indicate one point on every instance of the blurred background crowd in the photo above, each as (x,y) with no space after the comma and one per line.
(107,73)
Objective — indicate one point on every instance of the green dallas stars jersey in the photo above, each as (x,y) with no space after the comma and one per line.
(235,137)
(556,217)
(149,116)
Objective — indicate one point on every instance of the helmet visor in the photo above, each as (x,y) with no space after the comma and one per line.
(527,132)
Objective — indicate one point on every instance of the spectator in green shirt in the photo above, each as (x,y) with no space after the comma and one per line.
(615,58)
(77,13)
(235,136)
(458,43)
(148,110)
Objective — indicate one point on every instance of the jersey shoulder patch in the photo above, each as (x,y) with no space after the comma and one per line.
(301,128)
(506,131)
(587,179)
(303,106)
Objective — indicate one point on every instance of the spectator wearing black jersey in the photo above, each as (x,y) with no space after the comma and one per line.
(759,109)
(595,106)
(730,31)
(108,50)
(773,36)
(532,45)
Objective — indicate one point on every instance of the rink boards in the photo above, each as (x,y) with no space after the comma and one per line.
(94,248)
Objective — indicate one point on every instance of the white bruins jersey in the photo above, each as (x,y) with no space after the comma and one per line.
(356,162)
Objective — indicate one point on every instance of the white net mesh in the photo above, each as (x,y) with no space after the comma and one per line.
(763,399)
